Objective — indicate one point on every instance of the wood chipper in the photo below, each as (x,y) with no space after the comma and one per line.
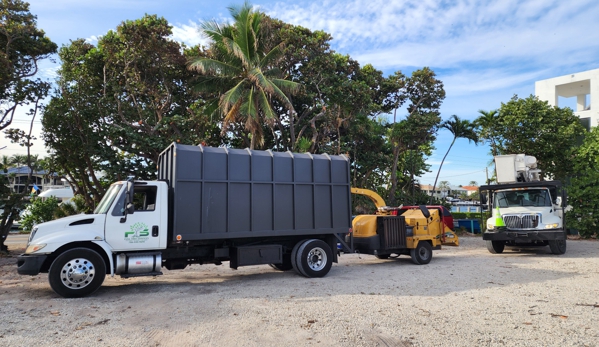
(416,232)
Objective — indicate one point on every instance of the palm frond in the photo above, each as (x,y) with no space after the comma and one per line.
(266,106)
(258,79)
(281,96)
(211,66)
(213,84)
(232,115)
(231,97)
(271,56)
(213,30)
(236,50)
(249,106)
(287,86)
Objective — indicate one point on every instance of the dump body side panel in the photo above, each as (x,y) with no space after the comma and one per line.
(220,193)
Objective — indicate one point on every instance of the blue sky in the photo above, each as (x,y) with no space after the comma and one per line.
(483,51)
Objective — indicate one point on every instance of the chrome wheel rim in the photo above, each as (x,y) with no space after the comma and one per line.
(77,273)
(317,259)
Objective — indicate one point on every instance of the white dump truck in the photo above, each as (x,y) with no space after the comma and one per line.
(209,205)
(525,210)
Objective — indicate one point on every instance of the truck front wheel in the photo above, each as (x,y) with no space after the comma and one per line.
(422,254)
(312,258)
(77,272)
(495,247)
(557,246)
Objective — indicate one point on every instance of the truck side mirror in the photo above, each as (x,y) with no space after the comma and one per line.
(483,198)
(558,201)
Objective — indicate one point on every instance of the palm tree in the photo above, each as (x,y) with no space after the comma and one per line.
(242,71)
(444,187)
(5,163)
(18,160)
(460,128)
(484,127)
(473,183)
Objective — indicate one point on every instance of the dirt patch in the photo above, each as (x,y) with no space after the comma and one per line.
(464,297)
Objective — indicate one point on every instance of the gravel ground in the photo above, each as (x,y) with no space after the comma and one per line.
(464,297)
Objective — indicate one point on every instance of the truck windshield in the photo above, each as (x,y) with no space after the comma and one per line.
(108,198)
(516,198)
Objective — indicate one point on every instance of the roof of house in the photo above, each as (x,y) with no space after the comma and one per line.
(24,170)
(471,188)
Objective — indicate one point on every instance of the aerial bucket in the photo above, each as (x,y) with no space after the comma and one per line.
(498,219)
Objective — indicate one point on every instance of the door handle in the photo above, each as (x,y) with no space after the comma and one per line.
(155,231)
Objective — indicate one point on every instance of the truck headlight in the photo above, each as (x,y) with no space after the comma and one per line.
(551,226)
(490,227)
(34,248)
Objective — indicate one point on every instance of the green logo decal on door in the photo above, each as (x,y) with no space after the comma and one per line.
(138,233)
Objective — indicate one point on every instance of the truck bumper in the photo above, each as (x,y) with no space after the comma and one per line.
(28,264)
(524,235)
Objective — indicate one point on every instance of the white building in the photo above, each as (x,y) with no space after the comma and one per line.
(582,85)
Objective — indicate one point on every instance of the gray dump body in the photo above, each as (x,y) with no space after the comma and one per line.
(220,193)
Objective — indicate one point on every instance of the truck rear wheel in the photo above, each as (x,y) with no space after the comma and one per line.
(557,246)
(422,254)
(495,247)
(312,258)
(77,272)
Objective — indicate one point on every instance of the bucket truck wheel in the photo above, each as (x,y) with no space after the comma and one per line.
(422,254)
(77,272)
(285,265)
(495,247)
(557,246)
(312,258)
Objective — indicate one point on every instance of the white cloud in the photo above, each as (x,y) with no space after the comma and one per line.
(466,82)
(93,39)
(392,34)
(189,34)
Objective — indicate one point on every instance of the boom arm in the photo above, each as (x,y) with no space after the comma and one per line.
(376,199)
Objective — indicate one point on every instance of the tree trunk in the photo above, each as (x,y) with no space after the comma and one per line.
(438,172)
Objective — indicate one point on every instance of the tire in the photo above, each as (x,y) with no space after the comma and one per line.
(495,247)
(422,254)
(557,246)
(294,265)
(313,258)
(382,256)
(285,265)
(77,272)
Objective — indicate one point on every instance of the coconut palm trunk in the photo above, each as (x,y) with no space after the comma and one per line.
(460,129)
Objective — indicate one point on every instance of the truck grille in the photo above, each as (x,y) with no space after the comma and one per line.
(522,221)
(394,230)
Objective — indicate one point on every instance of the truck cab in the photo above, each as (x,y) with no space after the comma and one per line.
(525,210)
(78,251)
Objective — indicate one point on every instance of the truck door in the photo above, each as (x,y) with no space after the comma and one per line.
(140,230)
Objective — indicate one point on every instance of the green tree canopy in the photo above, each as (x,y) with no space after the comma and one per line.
(534,127)
(583,194)
(118,105)
(23,45)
